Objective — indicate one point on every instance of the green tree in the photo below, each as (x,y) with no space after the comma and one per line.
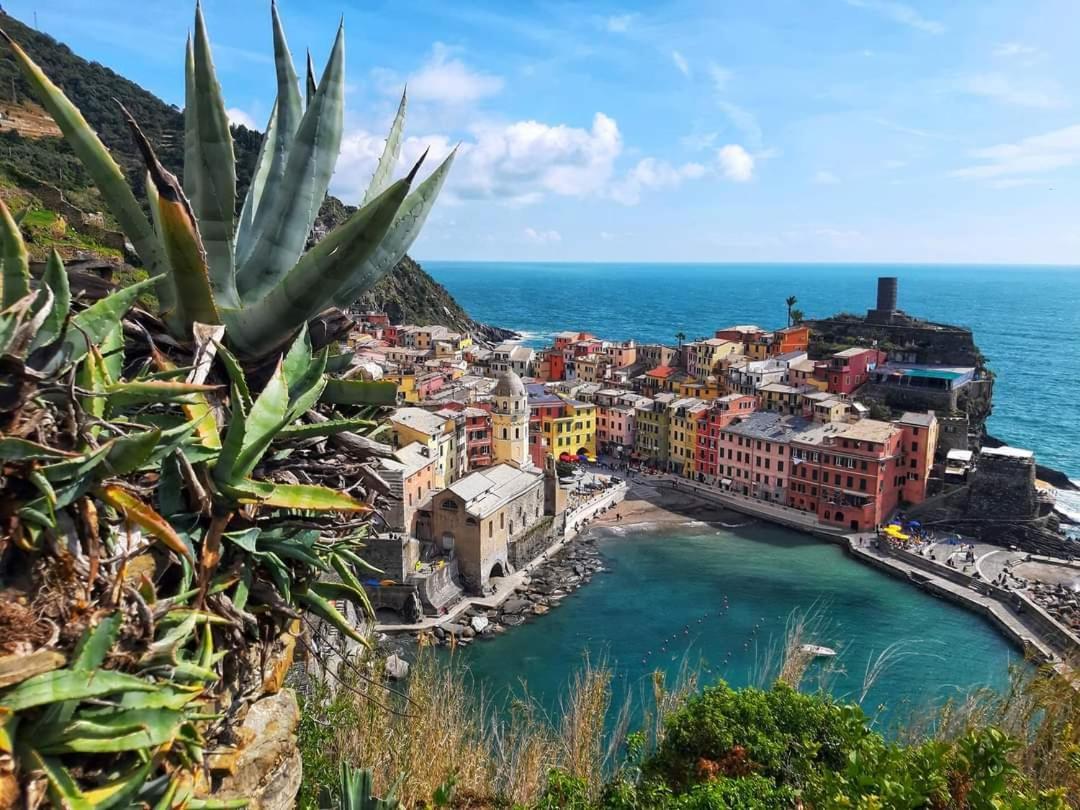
(795,316)
(791,302)
(680,336)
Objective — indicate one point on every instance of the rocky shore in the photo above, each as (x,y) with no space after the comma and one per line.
(546,586)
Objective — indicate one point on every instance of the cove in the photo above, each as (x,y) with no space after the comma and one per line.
(673,581)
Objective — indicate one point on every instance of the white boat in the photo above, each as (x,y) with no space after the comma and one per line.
(817,651)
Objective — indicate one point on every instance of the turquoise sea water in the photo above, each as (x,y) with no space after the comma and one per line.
(661,583)
(1026,319)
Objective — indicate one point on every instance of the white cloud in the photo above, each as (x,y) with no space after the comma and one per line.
(607,236)
(1033,155)
(517,163)
(681,64)
(1017,92)
(619,23)
(542,237)
(650,174)
(445,79)
(825,178)
(736,163)
(238,117)
(900,13)
(893,164)
(1011,49)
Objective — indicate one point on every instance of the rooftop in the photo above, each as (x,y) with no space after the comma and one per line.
(1007,452)
(486,491)
(919,419)
(870,430)
(771,426)
(419,420)
(854,351)
(661,372)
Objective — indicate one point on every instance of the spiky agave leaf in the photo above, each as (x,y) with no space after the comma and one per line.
(407,225)
(55,279)
(180,236)
(211,164)
(256,187)
(293,202)
(15,275)
(385,168)
(99,164)
(311,84)
(311,284)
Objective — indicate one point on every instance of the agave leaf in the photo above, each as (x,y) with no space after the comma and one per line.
(306,391)
(168,302)
(127,453)
(332,591)
(322,428)
(298,359)
(112,352)
(380,180)
(288,111)
(236,375)
(15,261)
(311,85)
(15,449)
(56,280)
(191,125)
(63,789)
(75,467)
(292,203)
(180,237)
(94,323)
(297,496)
(157,390)
(234,440)
(124,730)
(198,411)
(107,176)
(256,187)
(267,417)
(70,684)
(407,225)
(89,654)
(326,611)
(117,792)
(213,186)
(312,283)
(144,517)
(359,392)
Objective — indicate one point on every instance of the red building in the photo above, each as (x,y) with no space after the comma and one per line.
(846,371)
(556,364)
(708,461)
(919,444)
(849,475)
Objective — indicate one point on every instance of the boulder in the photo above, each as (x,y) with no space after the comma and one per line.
(515,604)
(396,669)
(479,623)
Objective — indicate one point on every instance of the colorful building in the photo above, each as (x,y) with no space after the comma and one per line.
(790,339)
(569,429)
(721,413)
(651,421)
(846,371)
(683,435)
(438,432)
(848,474)
(754,454)
(919,443)
(784,399)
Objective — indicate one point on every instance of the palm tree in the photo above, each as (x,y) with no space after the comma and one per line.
(680,336)
(795,316)
(791,302)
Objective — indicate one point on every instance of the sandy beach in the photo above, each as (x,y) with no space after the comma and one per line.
(655,502)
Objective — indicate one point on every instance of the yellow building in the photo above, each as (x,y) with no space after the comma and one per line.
(435,431)
(573,432)
(708,389)
(682,435)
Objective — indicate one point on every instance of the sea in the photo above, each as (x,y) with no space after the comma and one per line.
(1026,321)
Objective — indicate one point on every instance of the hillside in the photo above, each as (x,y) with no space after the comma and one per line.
(39,172)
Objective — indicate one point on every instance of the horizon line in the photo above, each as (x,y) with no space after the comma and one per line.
(733,263)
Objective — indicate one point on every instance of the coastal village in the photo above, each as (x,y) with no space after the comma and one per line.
(842,428)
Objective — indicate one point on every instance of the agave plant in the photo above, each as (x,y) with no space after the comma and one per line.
(249,271)
(137,525)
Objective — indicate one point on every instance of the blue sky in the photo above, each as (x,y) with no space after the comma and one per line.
(767,130)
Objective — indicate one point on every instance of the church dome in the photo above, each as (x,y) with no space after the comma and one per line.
(509,385)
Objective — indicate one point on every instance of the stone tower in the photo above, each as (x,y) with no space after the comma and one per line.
(510,422)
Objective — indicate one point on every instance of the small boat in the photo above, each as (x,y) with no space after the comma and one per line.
(817,651)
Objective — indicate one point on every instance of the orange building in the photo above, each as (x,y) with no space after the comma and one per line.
(790,339)
(919,444)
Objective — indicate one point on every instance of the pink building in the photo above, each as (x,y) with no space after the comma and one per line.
(847,370)
(754,454)
(622,354)
(614,427)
